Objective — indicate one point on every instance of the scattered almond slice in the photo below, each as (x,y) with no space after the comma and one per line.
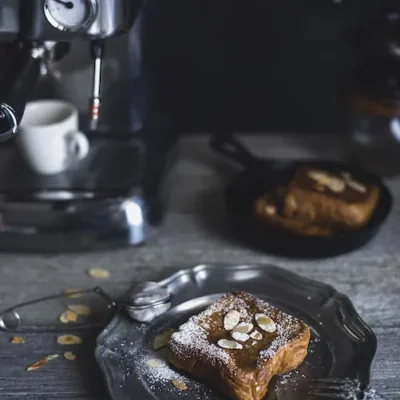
(229,344)
(73,293)
(239,336)
(231,320)
(265,323)
(179,385)
(69,356)
(98,273)
(17,340)
(42,362)
(162,340)
(256,335)
(79,309)
(154,363)
(68,316)
(244,327)
(69,339)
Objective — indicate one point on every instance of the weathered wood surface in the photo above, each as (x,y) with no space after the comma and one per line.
(196,230)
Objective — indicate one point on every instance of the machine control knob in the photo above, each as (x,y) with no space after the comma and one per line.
(8,122)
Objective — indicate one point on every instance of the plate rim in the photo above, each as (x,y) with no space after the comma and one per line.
(368,343)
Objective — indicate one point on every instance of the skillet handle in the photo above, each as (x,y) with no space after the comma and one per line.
(232,148)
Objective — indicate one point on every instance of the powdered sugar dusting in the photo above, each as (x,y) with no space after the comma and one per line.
(352,390)
(191,341)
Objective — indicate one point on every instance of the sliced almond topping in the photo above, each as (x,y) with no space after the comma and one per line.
(179,385)
(69,356)
(98,273)
(80,309)
(73,293)
(335,184)
(229,344)
(239,336)
(265,323)
(231,320)
(162,340)
(270,210)
(68,316)
(41,362)
(17,340)
(244,327)
(154,363)
(256,335)
(69,339)
(357,186)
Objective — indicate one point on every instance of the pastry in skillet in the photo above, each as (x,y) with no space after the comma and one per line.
(268,211)
(238,344)
(330,199)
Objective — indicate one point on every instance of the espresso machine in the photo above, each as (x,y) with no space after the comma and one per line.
(116,197)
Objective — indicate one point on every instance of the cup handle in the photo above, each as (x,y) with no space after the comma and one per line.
(78,145)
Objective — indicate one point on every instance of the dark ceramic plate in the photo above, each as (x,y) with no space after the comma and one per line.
(341,346)
(261,176)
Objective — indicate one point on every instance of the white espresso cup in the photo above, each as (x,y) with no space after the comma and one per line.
(49,136)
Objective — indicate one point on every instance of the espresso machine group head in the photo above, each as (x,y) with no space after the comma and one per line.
(38,29)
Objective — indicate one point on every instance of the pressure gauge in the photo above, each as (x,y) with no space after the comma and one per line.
(70,15)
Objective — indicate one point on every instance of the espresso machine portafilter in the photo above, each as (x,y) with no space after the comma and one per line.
(39,29)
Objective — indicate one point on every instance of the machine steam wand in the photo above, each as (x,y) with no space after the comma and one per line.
(97,52)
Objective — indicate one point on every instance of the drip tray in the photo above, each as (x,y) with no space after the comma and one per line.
(99,203)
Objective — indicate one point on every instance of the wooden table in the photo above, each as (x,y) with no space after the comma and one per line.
(196,230)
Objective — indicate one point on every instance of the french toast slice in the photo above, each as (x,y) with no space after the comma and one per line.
(238,344)
(267,211)
(332,199)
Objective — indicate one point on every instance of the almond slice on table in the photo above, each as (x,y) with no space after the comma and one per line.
(231,320)
(265,323)
(98,273)
(17,340)
(69,356)
(79,309)
(229,344)
(68,316)
(69,339)
(42,362)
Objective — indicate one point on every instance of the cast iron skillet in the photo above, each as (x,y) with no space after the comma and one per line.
(262,175)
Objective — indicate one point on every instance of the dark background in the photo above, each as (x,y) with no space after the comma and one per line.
(251,65)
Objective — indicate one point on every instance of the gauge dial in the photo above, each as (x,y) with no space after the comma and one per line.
(70,15)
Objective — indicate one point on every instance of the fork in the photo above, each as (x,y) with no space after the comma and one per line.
(344,389)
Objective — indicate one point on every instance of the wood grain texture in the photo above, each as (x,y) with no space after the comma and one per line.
(196,230)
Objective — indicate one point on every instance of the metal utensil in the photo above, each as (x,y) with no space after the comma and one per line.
(337,388)
(146,301)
